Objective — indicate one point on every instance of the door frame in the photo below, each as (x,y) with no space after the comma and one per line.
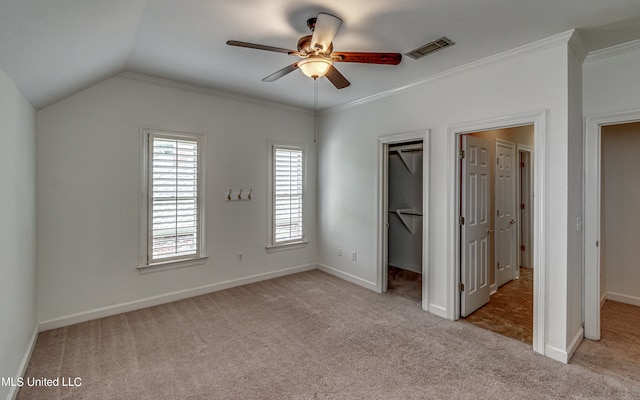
(521,148)
(539,122)
(383,215)
(592,188)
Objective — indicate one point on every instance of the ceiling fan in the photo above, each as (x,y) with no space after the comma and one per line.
(316,52)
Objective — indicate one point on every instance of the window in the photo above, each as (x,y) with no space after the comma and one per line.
(287,190)
(173,197)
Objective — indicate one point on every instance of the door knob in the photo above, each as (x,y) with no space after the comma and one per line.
(489,231)
(512,222)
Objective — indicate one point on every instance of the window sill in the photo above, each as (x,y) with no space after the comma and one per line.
(165,266)
(287,246)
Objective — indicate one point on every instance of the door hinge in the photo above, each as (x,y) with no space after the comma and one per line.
(461,221)
(522,206)
(461,286)
(522,248)
(521,165)
(461,154)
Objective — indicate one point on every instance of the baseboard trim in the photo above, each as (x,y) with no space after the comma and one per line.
(556,354)
(603,299)
(13,393)
(564,356)
(573,346)
(168,298)
(623,298)
(438,310)
(348,277)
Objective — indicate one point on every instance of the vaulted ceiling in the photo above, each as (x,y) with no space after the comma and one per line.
(54,48)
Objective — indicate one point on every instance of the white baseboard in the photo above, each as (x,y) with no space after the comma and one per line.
(565,356)
(168,298)
(13,393)
(573,346)
(348,277)
(603,299)
(623,298)
(438,310)
(408,267)
(556,354)
(493,289)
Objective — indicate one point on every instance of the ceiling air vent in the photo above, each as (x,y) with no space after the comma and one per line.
(430,48)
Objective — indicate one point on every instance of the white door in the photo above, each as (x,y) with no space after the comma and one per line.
(474,225)
(505,209)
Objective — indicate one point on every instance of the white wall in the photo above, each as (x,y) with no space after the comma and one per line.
(88,195)
(620,219)
(610,81)
(347,174)
(610,91)
(18,234)
(575,211)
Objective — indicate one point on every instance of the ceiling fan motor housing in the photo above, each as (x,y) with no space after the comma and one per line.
(305,49)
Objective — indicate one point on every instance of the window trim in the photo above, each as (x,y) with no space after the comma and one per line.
(272,246)
(200,257)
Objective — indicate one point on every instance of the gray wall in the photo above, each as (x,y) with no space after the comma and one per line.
(620,217)
(18,234)
(89,206)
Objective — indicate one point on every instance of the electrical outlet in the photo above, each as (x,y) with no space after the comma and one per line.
(354,256)
(340,251)
(240,257)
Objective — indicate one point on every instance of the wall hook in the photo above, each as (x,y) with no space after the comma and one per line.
(240,195)
(249,195)
(229,195)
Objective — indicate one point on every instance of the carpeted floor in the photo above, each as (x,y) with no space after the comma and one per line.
(304,336)
(402,282)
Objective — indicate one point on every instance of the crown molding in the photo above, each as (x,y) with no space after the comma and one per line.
(577,46)
(547,43)
(208,91)
(613,51)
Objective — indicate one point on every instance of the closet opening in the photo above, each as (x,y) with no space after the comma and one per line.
(404,212)
(496,230)
(612,278)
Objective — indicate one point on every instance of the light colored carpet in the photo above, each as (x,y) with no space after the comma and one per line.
(304,336)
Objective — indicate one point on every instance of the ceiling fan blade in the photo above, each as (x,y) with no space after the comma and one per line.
(259,46)
(326,27)
(338,80)
(368,58)
(279,74)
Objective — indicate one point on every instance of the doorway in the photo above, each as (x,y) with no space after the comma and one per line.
(496,230)
(611,198)
(403,211)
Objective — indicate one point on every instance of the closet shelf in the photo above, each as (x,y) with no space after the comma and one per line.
(402,213)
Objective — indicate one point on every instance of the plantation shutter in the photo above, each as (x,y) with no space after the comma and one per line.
(287,195)
(173,203)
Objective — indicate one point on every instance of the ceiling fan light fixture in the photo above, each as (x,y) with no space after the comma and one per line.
(315,66)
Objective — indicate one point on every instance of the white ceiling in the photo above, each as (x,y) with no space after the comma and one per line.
(54,48)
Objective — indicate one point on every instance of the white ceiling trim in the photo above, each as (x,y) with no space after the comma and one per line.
(540,45)
(613,51)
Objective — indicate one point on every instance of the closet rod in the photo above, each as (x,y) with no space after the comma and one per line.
(406,213)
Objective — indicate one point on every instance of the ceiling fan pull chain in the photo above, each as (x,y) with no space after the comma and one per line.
(315,110)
